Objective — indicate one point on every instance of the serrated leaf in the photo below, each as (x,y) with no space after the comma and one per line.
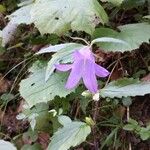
(133,34)
(34,89)
(125,87)
(72,134)
(59,16)
(4,145)
(63,55)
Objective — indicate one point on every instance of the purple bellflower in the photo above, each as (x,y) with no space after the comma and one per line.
(84,67)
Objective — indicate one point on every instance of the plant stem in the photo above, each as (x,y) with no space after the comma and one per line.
(128,117)
(96,145)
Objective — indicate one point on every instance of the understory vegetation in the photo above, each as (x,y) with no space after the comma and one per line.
(74,74)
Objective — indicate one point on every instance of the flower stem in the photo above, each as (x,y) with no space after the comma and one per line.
(95,114)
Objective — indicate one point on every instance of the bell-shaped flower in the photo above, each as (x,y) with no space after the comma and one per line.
(85,68)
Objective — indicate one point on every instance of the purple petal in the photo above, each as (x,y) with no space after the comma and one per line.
(75,74)
(87,53)
(100,71)
(89,77)
(77,56)
(63,67)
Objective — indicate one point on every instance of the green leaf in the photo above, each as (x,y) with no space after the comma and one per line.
(57,48)
(59,16)
(129,127)
(2,9)
(72,134)
(133,122)
(125,87)
(133,34)
(110,137)
(64,120)
(30,135)
(4,145)
(127,101)
(114,2)
(34,89)
(6,97)
(25,2)
(21,15)
(31,147)
(129,4)
(147,17)
(108,40)
(144,134)
(63,55)
(38,116)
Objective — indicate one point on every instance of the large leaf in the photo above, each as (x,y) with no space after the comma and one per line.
(4,145)
(63,55)
(59,16)
(34,89)
(57,48)
(21,15)
(72,134)
(125,87)
(108,40)
(133,34)
(8,33)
